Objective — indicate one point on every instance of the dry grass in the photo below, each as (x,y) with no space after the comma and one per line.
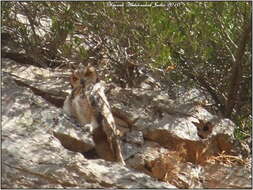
(167,167)
(227,160)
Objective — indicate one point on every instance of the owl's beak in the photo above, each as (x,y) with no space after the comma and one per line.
(82,81)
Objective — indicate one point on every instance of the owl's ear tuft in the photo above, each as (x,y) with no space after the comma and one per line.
(92,69)
(89,71)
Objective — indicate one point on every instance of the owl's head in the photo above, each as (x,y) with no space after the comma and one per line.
(83,77)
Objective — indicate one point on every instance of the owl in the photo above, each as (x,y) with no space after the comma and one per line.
(88,104)
(77,103)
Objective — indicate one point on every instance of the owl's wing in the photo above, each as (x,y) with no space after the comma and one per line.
(103,112)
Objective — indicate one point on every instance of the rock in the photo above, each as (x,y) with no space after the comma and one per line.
(50,81)
(135,137)
(34,158)
(129,150)
(146,154)
(187,175)
(219,176)
(185,96)
(223,126)
(170,168)
(117,176)
(177,142)
(132,143)
(176,126)
(55,167)
(174,131)
(77,139)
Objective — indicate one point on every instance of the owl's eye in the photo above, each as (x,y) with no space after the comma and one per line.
(74,78)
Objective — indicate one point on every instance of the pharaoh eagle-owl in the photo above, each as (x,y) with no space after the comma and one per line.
(88,104)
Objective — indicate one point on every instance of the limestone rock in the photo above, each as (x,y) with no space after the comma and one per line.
(176,141)
(135,137)
(34,158)
(219,176)
(73,136)
(146,154)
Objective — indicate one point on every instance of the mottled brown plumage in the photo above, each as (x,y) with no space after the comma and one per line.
(88,104)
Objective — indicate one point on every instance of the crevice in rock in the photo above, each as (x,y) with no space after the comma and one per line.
(91,154)
(204,128)
(25,59)
(196,152)
(56,100)
(72,144)
(20,58)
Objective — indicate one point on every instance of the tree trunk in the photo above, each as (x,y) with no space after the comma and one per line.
(237,71)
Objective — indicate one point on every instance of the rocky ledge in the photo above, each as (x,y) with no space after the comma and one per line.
(167,143)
